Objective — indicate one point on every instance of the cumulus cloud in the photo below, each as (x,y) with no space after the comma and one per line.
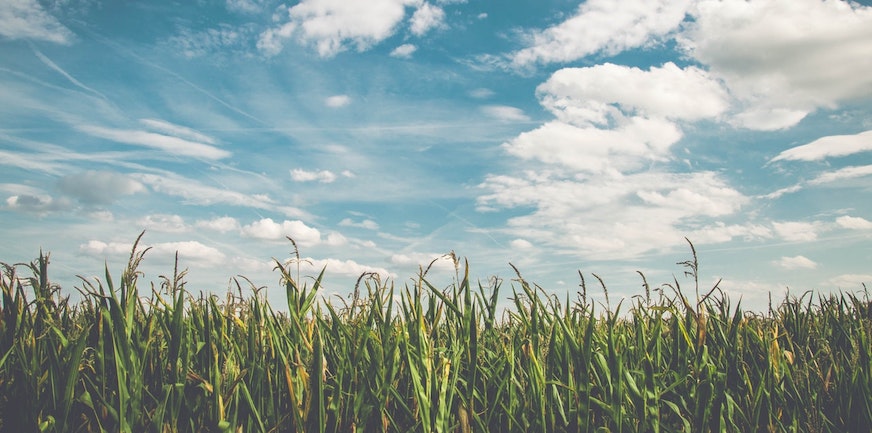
(187,250)
(520,244)
(39,204)
(828,147)
(268,229)
(593,95)
(611,217)
(443,262)
(595,150)
(797,262)
(365,224)
(603,26)
(104,249)
(167,143)
(27,19)
(796,230)
(163,223)
(426,18)
(779,89)
(404,51)
(323,176)
(854,223)
(349,268)
(99,187)
(332,25)
(221,224)
(613,118)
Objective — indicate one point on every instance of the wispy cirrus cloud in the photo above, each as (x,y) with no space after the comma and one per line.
(850,172)
(195,192)
(166,143)
(27,19)
(505,113)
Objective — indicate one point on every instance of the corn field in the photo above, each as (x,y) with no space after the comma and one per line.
(420,358)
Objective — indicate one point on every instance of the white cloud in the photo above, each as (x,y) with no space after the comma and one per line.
(221,224)
(404,51)
(103,249)
(26,19)
(797,36)
(365,224)
(335,239)
(349,268)
(195,192)
(592,95)
(425,18)
(481,93)
(177,130)
(603,26)
(163,223)
(830,146)
(442,262)
(271,41)
(615,118)
(99,187)
(850,281)
(332,25)
(720,232)
(40,204)
(166,143)
(797,262)
(268,229)
(212,41)
(520,244)
(323,176)
(796,230)
(842,174)
(246,6)
(505,113)
(618,216)
(337,101)
(189,250)
(854,223)
(595,150)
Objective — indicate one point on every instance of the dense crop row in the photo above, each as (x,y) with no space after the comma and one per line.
(422,358)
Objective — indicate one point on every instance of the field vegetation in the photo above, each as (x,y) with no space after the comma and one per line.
(422,358)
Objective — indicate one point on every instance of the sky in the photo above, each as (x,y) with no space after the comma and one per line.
(556,136)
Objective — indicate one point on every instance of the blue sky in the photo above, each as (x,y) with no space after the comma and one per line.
(554,135)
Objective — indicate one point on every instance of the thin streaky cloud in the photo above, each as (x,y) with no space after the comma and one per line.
(828,147)
(48,62)
(169,144)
